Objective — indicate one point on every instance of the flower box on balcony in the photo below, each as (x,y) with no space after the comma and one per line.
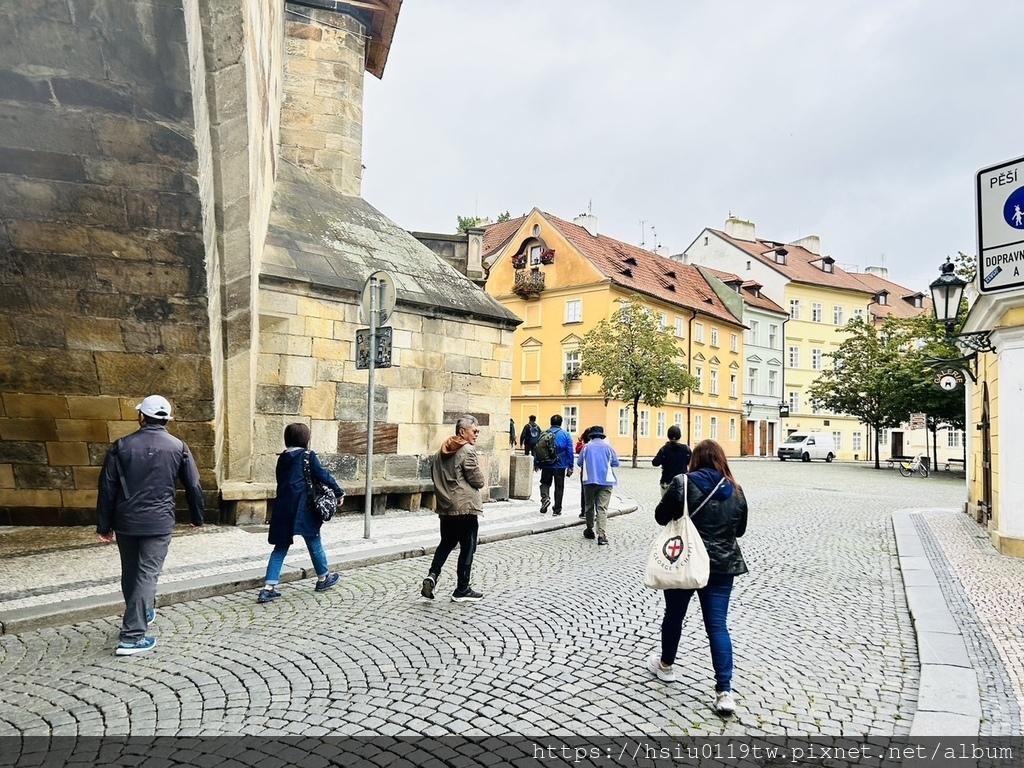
(528,284)
(519,261)
(547,256)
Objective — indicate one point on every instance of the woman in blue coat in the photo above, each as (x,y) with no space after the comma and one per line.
(292,514)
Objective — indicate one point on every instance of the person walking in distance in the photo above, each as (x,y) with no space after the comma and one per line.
(597,463)
(553,457)
(531,434)
(512,434)
(718,508)
(583,440)
(135,506)
(458,479)
(294,515)
(673,457)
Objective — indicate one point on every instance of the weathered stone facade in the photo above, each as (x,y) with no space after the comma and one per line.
(149,243)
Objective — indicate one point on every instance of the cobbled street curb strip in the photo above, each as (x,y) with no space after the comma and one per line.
(111,603)
(949,700)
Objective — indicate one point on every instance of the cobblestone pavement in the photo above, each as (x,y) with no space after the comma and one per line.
(823,638)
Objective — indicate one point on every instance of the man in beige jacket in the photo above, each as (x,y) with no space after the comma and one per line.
(458,479)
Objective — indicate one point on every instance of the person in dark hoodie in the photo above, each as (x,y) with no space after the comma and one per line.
(458,479)
(720,522)
(673,458)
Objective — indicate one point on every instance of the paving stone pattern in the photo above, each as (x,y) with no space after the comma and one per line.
(823,639)
(984,592)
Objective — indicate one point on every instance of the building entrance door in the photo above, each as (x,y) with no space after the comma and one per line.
(748,442)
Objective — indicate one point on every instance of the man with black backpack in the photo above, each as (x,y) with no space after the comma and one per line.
(553,456)
(531,434)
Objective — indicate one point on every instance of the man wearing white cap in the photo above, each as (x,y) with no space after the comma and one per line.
(136,501)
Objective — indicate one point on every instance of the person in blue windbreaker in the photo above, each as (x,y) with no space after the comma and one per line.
(597,463)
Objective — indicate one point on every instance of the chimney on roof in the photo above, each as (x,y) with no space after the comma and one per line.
(588,221)
(882,272)
(322,93)
(739,229)
(810,243)
(663,250)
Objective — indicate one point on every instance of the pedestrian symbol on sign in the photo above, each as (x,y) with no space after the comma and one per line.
(1013,209)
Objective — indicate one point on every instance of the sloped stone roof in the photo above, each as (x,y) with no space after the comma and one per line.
(332,241)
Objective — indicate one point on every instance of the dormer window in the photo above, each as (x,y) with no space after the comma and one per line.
(780,255)
(918,301)
(882,298)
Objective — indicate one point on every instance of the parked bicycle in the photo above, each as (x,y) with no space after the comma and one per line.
(907,468)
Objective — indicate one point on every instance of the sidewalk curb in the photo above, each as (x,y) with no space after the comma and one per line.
(111,604)
(949,700)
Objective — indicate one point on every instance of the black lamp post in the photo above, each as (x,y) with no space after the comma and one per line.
(748,408)
(947,293)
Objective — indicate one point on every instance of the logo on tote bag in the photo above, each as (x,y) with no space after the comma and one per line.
(673,549)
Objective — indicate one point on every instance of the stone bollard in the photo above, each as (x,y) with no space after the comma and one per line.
(520,477)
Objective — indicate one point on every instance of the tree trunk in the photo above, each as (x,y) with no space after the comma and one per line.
(877,431)
(636,419)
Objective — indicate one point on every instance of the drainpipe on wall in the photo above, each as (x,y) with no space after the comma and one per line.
(689,363)
(782,392)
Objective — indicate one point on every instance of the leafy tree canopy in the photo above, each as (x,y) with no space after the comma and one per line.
(466,223)
(636,361)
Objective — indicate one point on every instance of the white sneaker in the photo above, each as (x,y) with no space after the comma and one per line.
(667,675)
(725,703)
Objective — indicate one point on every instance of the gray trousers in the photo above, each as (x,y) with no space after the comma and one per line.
(597,498)
(142,559)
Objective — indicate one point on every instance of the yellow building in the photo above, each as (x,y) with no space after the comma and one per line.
(562,279)
(820,298)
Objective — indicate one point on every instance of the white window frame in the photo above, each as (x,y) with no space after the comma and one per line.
(794,402)
(698,333)
(733,386)
(570,360)
(623,422)
(698,427)
(662,322)
(837,438)
(644,427)
(680,323)
(816,358)
(574,311)
(714,337)
(773,335)
(954,438)
(773,380)
(794,309)
(837,314)
(698,372)
(734,342)
(794,357)
(713,427)
(732,429)
(659,427)
(752,375)
(713,383)
(678,421)
(571,418)
(753,332)
(858,441)
(816,312)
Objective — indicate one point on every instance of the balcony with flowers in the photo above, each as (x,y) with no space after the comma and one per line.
(529,283)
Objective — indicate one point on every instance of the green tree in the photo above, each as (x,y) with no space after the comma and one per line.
(875,376)
(636,361)
(466,223)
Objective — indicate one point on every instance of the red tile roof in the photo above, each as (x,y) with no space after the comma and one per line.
(898,306)
(496,235)
(636,269)
(798,267)
(751,290)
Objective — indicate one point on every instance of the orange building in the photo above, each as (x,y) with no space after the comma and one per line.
(562,279)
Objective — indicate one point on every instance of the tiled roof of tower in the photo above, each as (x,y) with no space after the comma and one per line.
(798,266)
(636,269)
(898,305)
(751,290)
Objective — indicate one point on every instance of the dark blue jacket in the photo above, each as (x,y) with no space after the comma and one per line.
(292,515)
(673,458)
(564,450)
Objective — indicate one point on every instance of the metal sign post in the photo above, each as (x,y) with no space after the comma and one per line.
(378,303)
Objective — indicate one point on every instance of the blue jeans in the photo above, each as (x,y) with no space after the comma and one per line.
(316,554)
(714,605)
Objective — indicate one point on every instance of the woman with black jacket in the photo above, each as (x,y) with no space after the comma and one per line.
(673,458)
(719,522)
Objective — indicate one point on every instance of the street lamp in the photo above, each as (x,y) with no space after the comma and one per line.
(748,408)
(947,291)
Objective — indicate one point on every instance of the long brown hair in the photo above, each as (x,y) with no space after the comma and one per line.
(709,454)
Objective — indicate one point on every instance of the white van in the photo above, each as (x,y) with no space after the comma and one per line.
(808,445)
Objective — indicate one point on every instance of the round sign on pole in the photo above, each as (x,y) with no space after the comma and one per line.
(385,285)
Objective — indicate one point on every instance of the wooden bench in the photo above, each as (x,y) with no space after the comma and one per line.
(957,464)
(892,460)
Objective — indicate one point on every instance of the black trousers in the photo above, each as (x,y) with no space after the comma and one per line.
(460,531)
(546,476)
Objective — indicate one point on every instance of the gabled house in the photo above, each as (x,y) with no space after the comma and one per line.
(562,278)
(762,372)
(819,297)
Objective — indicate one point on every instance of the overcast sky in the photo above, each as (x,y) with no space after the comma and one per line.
(861,122)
